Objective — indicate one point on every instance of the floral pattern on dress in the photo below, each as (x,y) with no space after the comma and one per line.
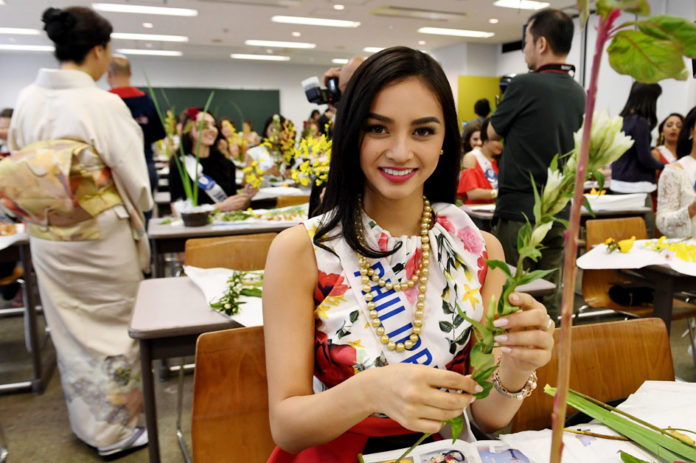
(333,363)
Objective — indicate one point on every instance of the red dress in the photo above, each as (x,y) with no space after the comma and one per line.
(475,177)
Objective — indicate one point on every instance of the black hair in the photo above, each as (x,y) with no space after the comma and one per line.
(269,121)
(186,138)
(314,112)
(642,101)
(466,136)
(685,141)
(482,107)
(346,180)
(555,26)
(7,112)
(75,31)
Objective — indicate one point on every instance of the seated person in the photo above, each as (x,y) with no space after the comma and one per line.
(216,174)
(676,198)
(471,137)
(478,183)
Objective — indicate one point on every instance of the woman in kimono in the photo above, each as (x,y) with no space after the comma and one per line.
(365,348)
(89,261)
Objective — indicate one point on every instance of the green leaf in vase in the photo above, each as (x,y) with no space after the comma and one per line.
(628,458)
(641,7)
(535,275)
(457,425)
(499,264)
(670,28)
(645,58)
(586,203)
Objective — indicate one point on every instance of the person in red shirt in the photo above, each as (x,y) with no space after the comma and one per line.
(478,183)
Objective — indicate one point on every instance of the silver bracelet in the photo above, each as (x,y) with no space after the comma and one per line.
(526,390)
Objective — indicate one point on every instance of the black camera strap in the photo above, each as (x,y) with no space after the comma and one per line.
(562,68)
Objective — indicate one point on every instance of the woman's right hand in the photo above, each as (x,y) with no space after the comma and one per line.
(414,395)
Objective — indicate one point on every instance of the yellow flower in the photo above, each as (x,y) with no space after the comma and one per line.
(626,245)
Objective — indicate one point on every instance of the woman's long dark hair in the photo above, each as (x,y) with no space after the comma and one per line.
(660,138)
(642,101)
(75,31)
(685,141)
(346,180)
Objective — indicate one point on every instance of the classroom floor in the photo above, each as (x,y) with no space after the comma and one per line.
(36,426)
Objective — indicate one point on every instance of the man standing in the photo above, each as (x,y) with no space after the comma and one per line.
(141,107)
(537,118)
(5,117)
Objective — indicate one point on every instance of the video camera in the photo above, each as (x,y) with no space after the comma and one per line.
(317,95)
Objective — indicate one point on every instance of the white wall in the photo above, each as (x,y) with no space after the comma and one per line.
(473,59)
(18,70)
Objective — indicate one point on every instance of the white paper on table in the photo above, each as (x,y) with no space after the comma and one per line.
(536,445)
(639,256)
(8,240)
(616,202)
(213,283)
(276,191)
(676,404)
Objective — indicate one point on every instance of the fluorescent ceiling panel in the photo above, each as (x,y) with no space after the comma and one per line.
(143,9)
(521,4)
(372,49)
(18,31)
(418,13)
(260,57)
(277,44)
(339,60)
(138,51)
(455,32)
(149,37)
(314,21)
(13,47)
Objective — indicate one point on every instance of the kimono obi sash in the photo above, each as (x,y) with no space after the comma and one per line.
(59,187)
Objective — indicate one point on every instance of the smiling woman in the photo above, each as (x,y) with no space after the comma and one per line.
(365,342)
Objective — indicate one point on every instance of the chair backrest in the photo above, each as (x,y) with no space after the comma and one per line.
(596,283)
(230,397)
(284,201)
(608,361)
(240,252)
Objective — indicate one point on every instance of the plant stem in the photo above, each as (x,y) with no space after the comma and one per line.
(594,434)
(571,238)
(410,449)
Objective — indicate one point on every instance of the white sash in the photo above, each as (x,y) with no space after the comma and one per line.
(666,154)
(205,182)
(487,168)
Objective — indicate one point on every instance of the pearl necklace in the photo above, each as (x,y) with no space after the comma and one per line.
(419,277)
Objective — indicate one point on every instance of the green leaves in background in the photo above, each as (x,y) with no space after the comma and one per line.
(604,7)
(656,50)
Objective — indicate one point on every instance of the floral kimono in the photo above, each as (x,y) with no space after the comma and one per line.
(345,342)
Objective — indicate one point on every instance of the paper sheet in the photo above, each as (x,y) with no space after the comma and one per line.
(8,240)
(213,283)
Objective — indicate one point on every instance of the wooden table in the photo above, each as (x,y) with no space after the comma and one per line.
(172,238)
(19,249)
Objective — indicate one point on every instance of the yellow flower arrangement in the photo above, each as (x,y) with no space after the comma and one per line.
(622,246)
(681,250)
(311,158)
(236,139)
(253,175)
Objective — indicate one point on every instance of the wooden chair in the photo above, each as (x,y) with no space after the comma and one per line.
(230,397)
(284,201)
(596,283)
(240,252)
(608,361)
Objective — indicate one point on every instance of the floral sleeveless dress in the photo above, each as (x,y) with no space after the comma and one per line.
(346,343)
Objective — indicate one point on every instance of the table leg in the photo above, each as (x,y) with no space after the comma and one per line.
(158,260)
(149,396)
(664,294)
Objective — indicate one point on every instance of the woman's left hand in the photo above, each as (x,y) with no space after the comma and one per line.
(529,341)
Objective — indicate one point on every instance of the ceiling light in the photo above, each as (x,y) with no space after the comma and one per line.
(372,49)
(26,47)
(2,2)
(339,7)
(418,13)
(138,51)
(278,44)
(314,21)
(142,9)
(493,20)
(421,42)
(148,25)
(455,32)
(260,57)
(339,60)
(18,31)
(296,34)
(521,4)
(155,37)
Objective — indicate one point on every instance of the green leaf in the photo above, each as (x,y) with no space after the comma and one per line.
(482,333)
(563,222)
(586,203)
(597,175)
(535,275)
(499,264)
(646,58)
(536,211)
(354,315)
(584,9)
(640,7)
(446,326)
(523,236)
(251,292)
(671,28)
(447,307)
(458,319)
(628,458)
(457,425)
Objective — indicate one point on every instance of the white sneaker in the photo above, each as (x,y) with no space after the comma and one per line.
(136,440)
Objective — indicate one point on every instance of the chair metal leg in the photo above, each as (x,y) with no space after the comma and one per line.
(179,407)
(691,328)
(3,446)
